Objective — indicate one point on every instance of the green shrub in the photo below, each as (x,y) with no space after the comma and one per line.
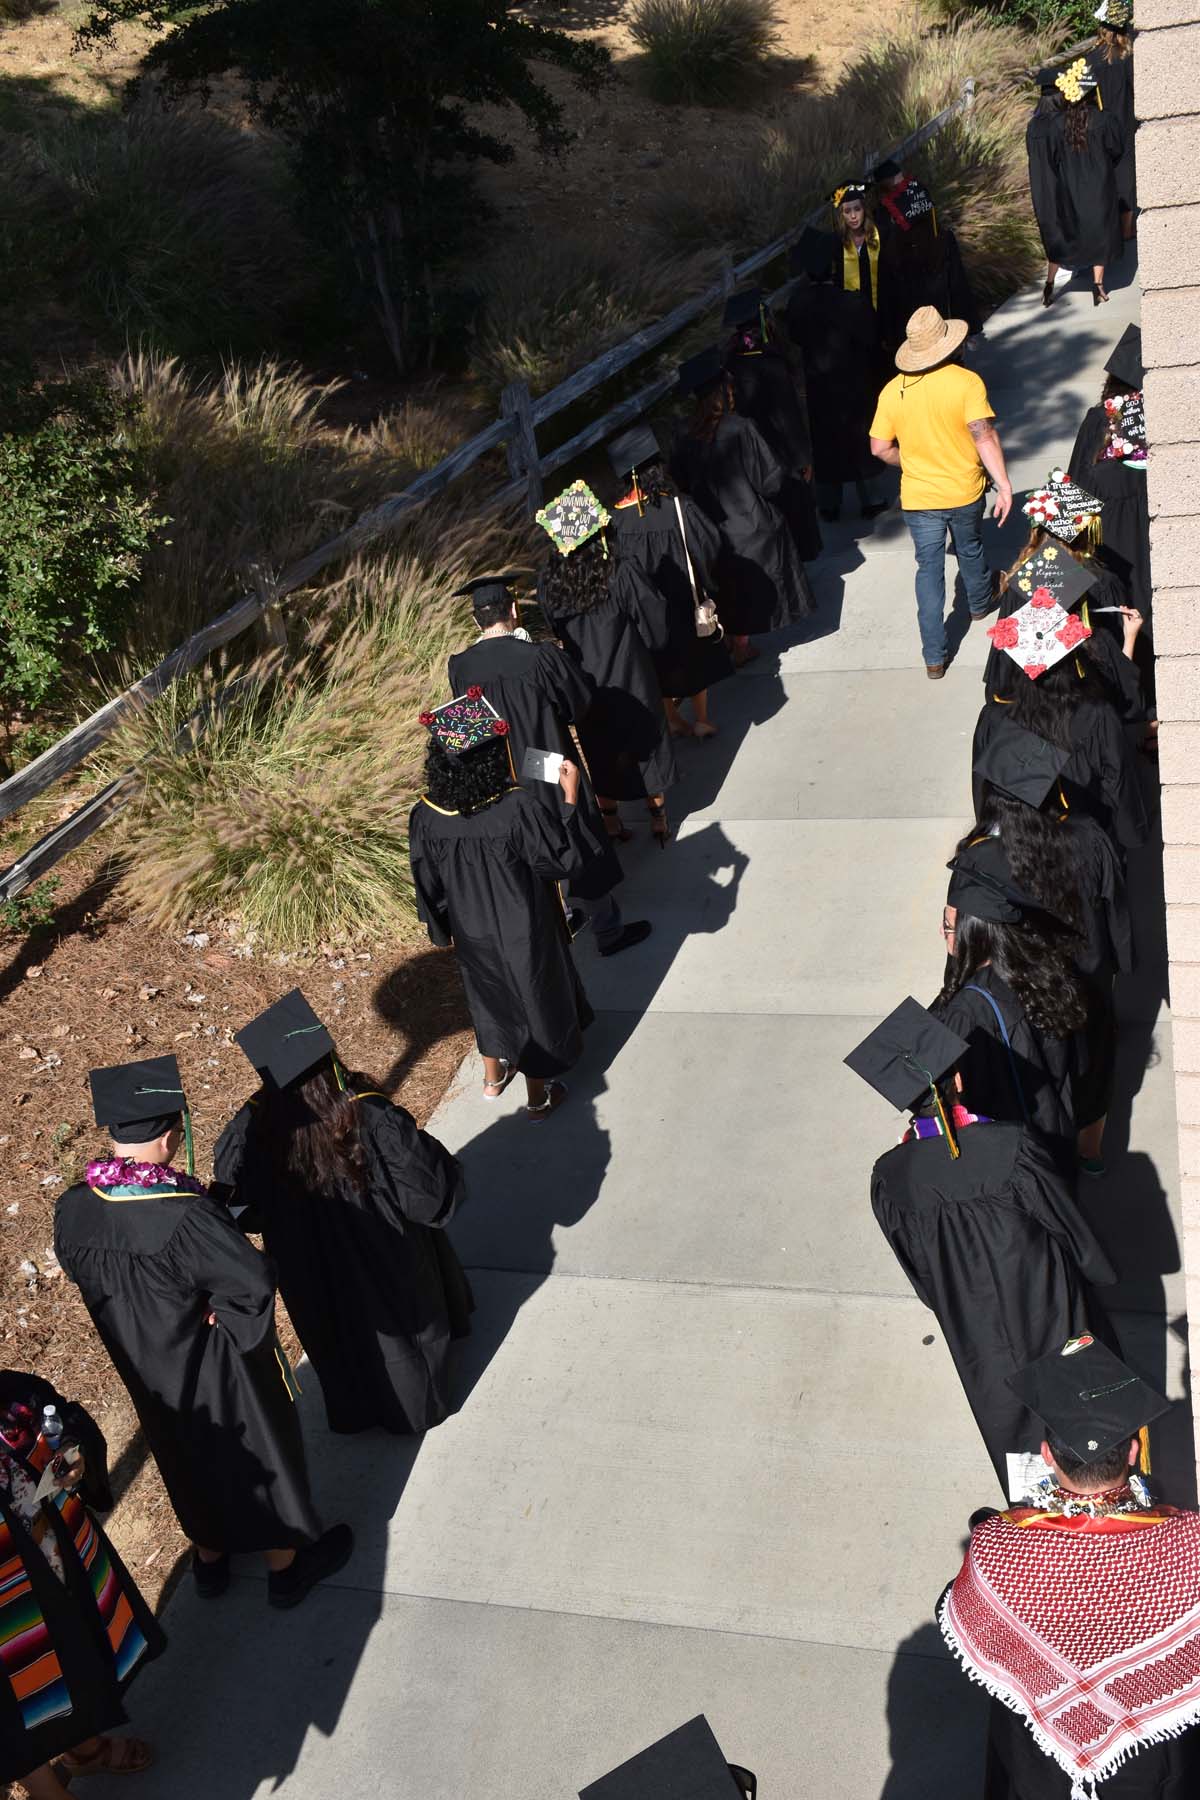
(703,50)
(12,11)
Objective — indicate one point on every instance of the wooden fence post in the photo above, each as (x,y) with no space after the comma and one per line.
(272,631)
(520,446)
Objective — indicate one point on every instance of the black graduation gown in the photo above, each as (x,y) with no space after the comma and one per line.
(994,1245)
(215,1401)
(487,883)
(923,269)
(768,392)
(624,732)
(1075,191)
(1107,950)
(540,690)
(1043,1065)
(1105,646)
(74,1625)
(1101,775)
(1018,1770)
(650,539)
(738,481)
(837,336)
(1125,521)
(1115,80)
(371,1283)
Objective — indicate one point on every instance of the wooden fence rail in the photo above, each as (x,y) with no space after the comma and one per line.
(515,429)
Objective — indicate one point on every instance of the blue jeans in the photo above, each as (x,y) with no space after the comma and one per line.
(928,532)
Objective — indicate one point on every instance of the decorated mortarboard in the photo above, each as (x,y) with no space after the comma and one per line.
(1062,507)
(688,1764)
(464,723)
(1125,430)
(1039,634)
(139,1101)
(1116,14)
(745,307)
(1088,1397)
(574,517)
(1020,763)
(1050,574)
(911,202)
(907,1055)
(284,1042)
(848,190)
(1076,81)
(1126,360)
(701,370)
(1046,78)
(982,884)
(813,254)
(488,590)
(632,448)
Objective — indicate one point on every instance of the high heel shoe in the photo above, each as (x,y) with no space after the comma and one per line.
(612,824)
(1048,293)
(1098,293)
(660,830)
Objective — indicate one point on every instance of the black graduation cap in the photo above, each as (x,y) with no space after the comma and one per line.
(1126,360)
(813,255)
(982,884)
(1046,79)
(744,307)
(688,1764)
(886,170)
(139,1101)
(1088,1397)
(488,590)
(633,447)
(1054,571)
(284,1042)
(1020,763)
(906,1055)
(701,370)
(848,190)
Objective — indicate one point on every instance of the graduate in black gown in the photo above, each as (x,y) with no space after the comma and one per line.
(854,259)
(1012,993)
(185,1307)
(612,621)
(1120,482)
(920,263)
(723,460)
(542,692)
(1074,149)
(74,1628)
(351,1200)
(1111,62)
(674,542)
(768,388)
(836,334)
(486,863)
(983,1224)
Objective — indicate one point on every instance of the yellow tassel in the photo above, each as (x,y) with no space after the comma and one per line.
(939,1104)
(637,494)
(1144,1452)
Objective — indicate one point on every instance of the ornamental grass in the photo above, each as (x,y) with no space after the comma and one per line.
(703,51)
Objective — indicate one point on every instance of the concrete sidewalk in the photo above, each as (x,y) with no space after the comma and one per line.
(712,1454)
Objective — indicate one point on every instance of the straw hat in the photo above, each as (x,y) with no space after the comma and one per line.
(929,340)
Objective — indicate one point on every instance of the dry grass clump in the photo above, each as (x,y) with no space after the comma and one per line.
(703,50)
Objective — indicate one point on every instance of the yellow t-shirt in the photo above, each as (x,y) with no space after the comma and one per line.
(928,416)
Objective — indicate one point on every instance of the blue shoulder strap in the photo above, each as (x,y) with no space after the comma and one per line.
(1012,1061)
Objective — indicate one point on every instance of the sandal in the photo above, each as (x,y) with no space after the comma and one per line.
(659,828)
(508,1073)
(679,728)
(702,729)
(556,1093)
(612,824)
(112,1756)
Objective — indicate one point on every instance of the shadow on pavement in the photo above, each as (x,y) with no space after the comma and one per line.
(937,1722)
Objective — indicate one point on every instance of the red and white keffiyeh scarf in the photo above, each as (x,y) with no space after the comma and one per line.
(1088,1628)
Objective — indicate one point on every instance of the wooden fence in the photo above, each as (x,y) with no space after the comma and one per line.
(515,428)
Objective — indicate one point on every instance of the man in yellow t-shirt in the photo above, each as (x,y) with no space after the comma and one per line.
(934,423)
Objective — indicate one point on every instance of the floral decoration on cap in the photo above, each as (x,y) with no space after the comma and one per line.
(464,723)
(1062,507)
(1050,577)
(573,518)
(1116,14)
(849,190)
(1076,80)
(1125,439)
(1039,635)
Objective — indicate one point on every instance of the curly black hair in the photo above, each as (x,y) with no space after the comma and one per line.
(1048,705)
(654,483)
(466,784)
(577,583)
(1038,850)
(1036,967)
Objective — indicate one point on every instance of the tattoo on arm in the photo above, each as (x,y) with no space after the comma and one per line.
(981,428)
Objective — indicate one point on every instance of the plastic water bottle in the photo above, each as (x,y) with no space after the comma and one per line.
(52,1426)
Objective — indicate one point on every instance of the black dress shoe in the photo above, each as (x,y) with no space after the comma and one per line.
(634,933)
(211,1578)
(311,1563)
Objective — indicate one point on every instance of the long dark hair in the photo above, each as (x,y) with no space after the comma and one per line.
(308,1132)
(1039,852)
(1035,966)
(466,784)
(711,409)
(1115,46)
(579,582)
(1047,706)
(1075,126)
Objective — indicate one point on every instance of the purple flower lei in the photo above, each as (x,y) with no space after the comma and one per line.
(122,1171)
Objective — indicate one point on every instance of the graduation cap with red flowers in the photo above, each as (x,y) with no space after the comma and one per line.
(1062,507)
(1040,634)
(464,723)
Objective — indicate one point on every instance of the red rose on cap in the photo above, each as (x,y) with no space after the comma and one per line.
(500,727)
(1004,634)
(1041,596)
(1073,632)
(1033,670)
(474,693)
(425,718)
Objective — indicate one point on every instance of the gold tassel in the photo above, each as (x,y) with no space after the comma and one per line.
(1144,1451)
(951,1140)
(637,494)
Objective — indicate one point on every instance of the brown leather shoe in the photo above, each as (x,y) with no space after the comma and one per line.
(935,671)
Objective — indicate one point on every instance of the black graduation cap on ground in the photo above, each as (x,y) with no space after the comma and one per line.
(1020,763)
(284,1042)
(813,255)
(744,307)
(632,448)
(982,885)
(701,370)
(1126,360)
(686,1765)
(902,1058)
(1088,1397)
(487,590)
(139,1101)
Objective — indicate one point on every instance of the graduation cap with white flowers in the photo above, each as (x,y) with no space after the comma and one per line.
(687,1764)
(573,517)
(1116,14)
(1063,508)
(1125,430)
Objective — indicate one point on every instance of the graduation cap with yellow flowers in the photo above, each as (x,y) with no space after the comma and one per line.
(1076,81)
